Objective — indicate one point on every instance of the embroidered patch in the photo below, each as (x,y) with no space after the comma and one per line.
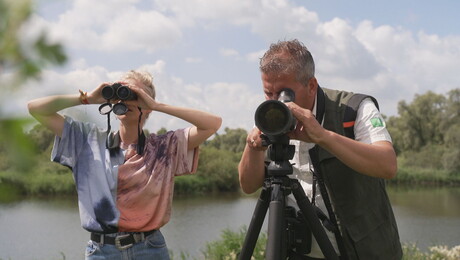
(376,122)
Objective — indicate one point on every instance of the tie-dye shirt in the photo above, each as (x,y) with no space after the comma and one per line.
(114,195)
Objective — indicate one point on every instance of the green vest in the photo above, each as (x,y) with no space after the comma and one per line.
(360,202)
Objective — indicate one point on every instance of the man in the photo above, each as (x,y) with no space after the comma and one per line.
(353,170)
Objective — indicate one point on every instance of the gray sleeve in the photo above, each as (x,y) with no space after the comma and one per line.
(67,148)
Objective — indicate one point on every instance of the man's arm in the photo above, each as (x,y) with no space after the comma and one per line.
(251,168)
(377,159)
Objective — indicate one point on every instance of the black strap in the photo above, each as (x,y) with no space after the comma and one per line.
(351,110)
(320,105)
(327,202)
(140,135)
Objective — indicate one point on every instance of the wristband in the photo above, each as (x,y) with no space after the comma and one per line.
(83,97)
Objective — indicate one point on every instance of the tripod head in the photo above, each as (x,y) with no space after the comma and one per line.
(279,152)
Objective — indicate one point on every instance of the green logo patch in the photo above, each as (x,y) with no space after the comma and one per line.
(376,122)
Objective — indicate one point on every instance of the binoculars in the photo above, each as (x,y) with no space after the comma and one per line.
(116,91)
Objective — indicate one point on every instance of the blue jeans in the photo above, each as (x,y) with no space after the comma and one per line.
(154,247)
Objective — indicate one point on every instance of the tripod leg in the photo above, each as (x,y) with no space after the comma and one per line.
(256,224)
(276,223)
(315,226)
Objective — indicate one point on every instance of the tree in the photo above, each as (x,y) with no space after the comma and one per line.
(233,140)
(426,134)
(420,123)
(21,60)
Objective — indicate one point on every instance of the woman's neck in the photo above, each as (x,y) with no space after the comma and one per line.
(128,134)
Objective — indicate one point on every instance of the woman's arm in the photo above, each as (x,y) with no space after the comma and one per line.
(204,124)
(45,109)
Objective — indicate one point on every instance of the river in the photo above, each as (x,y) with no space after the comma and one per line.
(47,229)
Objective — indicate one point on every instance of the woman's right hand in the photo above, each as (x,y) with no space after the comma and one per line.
(95,96)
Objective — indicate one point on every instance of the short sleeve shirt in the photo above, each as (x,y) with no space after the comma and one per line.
(117,195)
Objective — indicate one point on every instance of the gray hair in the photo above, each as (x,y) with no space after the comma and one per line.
(286,57)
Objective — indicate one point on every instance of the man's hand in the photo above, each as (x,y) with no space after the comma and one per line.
(254,140)
(307,129)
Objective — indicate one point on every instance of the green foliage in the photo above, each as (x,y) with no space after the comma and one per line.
(412,252)
(16,148)
(230,244)
(233,140)
(217,165)
(191,184)
(162,131)
(419,123)
(23,58)
(426,134)
(220,168)
(417,175)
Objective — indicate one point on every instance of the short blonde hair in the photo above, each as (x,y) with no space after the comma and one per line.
(144,77)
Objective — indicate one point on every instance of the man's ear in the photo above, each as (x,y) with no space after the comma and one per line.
(312,86)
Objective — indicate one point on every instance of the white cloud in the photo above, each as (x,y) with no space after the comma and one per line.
(390,63)
(118,26)
(227,52)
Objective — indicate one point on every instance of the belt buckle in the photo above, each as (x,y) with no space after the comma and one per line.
(118,242)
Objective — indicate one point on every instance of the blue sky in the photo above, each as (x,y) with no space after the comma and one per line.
(204,54)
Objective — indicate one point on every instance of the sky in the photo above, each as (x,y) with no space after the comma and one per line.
(204,54)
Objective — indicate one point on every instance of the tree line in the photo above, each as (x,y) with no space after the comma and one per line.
(425,133)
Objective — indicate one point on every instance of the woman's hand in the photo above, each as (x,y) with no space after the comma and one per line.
(95,96)
(144,100)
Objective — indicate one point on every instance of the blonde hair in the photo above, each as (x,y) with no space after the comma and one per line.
(144,77)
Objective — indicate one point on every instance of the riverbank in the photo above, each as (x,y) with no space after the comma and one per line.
(426,217)
(59,181)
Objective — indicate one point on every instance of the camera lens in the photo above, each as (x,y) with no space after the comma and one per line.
(274,118)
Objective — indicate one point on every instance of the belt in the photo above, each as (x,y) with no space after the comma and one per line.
(122,241)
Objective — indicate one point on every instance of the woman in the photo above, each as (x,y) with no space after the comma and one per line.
(124,181)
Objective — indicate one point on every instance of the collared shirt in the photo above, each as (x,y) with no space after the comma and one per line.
(114,195)
(369,128)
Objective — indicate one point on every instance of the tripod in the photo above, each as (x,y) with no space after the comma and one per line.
(277,185)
